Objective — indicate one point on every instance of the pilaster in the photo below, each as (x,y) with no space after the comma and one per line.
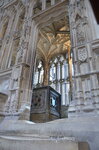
(85,101)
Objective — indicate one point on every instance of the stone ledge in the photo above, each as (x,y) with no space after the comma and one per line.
(83,129)
(30,143)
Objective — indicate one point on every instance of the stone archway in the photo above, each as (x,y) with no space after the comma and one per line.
(52,21)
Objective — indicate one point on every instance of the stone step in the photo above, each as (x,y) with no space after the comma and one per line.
(38,143)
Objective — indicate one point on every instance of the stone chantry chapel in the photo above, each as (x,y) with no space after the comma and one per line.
(49,75)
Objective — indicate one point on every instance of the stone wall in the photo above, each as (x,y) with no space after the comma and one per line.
(84,32)
(19,27)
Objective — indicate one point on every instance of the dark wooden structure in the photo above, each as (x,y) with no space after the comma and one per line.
(45,105)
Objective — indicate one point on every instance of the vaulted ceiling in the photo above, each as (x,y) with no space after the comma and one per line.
(53,39)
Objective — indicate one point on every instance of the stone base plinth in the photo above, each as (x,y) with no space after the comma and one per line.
(65,132)
(39,143)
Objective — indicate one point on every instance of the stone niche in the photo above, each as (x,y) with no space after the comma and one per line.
(45,105)
(4,84)
(4,89)
(3,99)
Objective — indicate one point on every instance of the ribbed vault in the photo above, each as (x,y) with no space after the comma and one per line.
(53,39)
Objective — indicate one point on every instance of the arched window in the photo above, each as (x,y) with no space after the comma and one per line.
(39,74)
(59,77)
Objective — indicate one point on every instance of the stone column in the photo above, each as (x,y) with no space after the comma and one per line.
(20,95)
(46,73)
(28,62)
(43,4)
(85,101)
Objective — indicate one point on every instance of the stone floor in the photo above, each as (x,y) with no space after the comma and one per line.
(77,129)
(36,143)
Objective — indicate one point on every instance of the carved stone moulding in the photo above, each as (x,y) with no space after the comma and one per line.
(82,54)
